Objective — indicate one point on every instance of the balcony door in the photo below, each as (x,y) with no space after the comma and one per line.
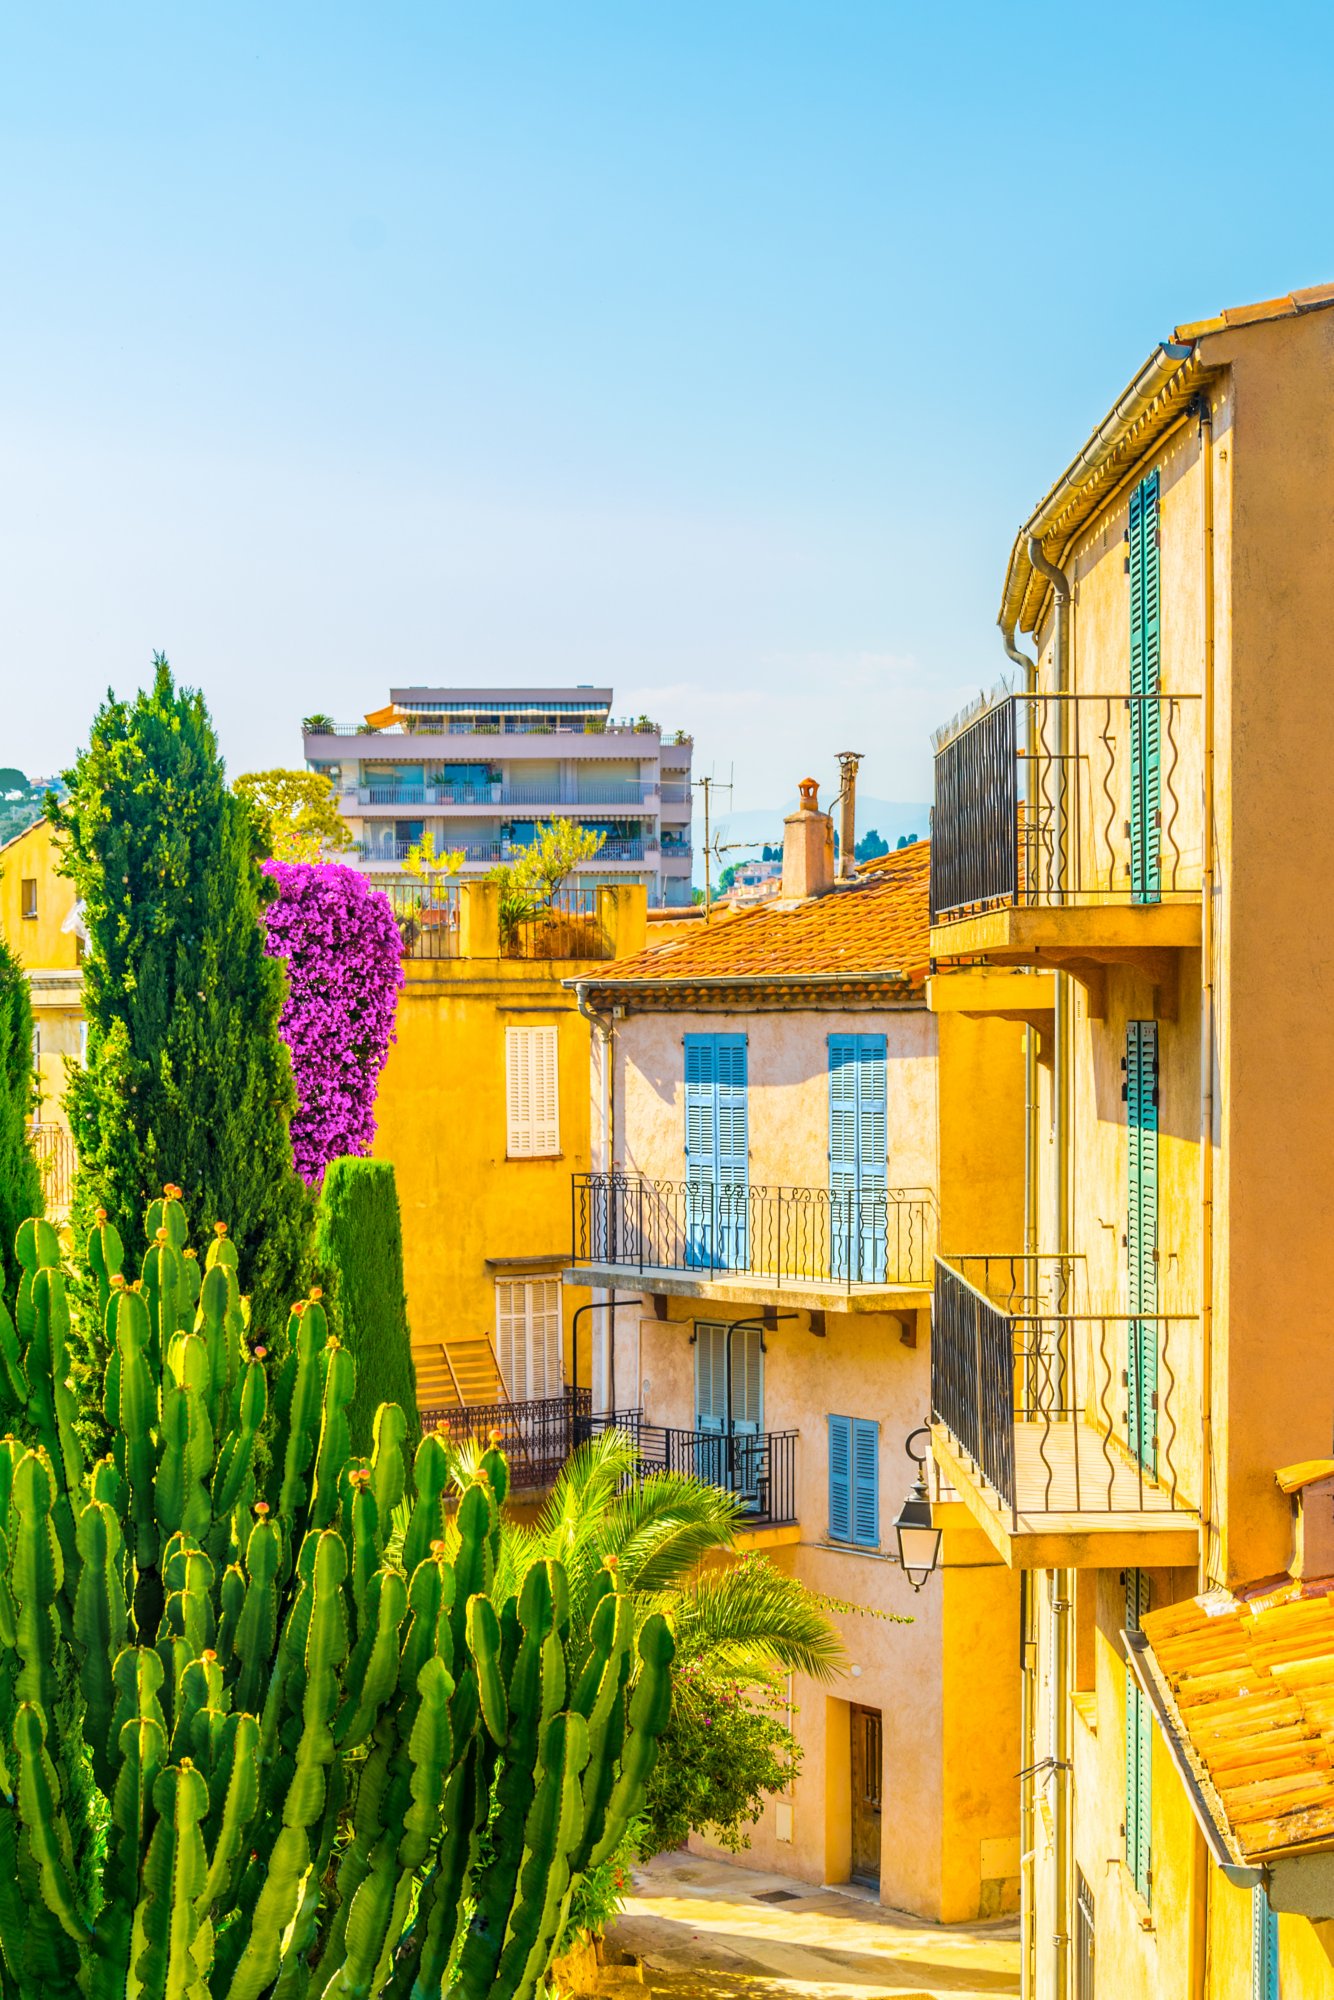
(717,1148)
(733,1460)
(1141,1094)
(858,1162)
(528,1337)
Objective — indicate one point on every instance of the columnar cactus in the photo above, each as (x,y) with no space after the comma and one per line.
(278,1746)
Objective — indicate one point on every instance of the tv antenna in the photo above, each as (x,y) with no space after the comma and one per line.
(715,848)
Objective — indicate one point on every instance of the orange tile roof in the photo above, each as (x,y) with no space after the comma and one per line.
(875,925)
(1251,1680)
(1312,299)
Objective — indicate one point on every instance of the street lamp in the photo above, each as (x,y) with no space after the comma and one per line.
(918,1537)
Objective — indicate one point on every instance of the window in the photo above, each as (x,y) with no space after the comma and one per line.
(1264,1947)
(854,1481)
(532,1096)
(528,1337)
(717,1149)
(28,892)
(858,1163)
(1139,1748)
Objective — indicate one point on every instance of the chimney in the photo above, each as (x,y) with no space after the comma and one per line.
(808,847)
(848,760)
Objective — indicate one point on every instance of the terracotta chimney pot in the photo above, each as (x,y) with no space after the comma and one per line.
(808,847)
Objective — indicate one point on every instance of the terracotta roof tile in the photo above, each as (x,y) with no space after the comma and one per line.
(1312,299)
(877,923)
(1251,1678)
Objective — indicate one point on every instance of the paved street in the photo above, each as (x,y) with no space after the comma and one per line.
(705,1931)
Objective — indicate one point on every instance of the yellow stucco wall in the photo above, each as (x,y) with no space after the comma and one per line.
(48,953)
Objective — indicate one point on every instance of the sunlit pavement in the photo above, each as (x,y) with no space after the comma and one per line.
(703,1931)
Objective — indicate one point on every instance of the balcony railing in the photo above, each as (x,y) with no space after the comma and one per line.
(624,792)
(568,927)
(427,918)
(784,1235)
(53,1148)
(391,851)
(1061,1409)
(1047,799)
(435,725)
(538,1437)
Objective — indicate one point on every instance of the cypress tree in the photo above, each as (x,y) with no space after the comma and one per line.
(359,1256)
(188,1079)
(20,1180)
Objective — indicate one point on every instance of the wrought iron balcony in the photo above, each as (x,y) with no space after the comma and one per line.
(1055,1418)
(427,915)
(1048,800)
(587,796)
(538,1437)
(780,1236)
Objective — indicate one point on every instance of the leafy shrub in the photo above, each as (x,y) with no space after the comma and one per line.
(726,1750)
(359,1255)
(20,1181)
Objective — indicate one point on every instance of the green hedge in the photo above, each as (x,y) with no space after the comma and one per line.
(359,1254)
(20,1181)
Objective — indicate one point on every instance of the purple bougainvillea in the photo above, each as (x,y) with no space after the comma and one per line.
(341,944)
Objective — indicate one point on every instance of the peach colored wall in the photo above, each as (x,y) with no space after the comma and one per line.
(788,1072)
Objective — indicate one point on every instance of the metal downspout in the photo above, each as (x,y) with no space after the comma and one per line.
(1200,1872)
(603,1027)
(1062,1082)
(1027,1630)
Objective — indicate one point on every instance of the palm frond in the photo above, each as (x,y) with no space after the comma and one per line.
(748,1616)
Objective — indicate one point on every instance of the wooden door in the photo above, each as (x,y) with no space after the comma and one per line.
(867,1772)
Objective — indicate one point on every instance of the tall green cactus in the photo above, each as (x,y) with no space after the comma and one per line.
(261,1746)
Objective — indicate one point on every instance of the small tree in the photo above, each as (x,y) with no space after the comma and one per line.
(20,1181)
(187,1074)
(359,1253)
(341,945)
(298,813)
(530,879)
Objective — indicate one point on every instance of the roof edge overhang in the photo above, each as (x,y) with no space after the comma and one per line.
(1205,1806)
(889,984)
(1156,400)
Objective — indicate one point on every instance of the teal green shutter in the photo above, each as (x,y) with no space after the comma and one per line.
(1145,707)
(1264,1947)
(858,1164)
(717,1151)
(1141,1095)
(865,1483)
(840,1479)
(1139,1748)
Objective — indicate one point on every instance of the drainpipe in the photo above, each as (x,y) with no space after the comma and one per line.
(1200,1873)
(602,1026)
(1062,1087)
(1027,1622)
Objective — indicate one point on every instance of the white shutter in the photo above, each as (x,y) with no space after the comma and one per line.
(528,1337)
(532,1092)
(510,1344)
(544,1337)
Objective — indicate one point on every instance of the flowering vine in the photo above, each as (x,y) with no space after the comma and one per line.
(341,945)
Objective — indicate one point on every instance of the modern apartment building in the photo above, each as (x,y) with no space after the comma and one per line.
(1129,852)
(776,1148)
(479,768)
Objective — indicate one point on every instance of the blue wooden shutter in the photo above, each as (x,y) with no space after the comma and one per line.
(840,1479)
(1264,1947)
(1145,709)
(1139,1748)
(733,1150)
(1141,1095)
(865,1483)
(858,1166)
(843,1153)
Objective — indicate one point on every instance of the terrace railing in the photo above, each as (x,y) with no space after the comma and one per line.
(427,916)
(624,792)
(1062,1408)
(786,1235)
(53,1148)
(568,927)
(1046,799)
(537,1437)
(759,1467)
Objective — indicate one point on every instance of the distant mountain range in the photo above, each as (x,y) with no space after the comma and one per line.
(890,818)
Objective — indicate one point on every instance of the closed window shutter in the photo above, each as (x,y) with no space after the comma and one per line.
(865,1483)
(840,1479)
(1145,712)
(532,1092)
(872,1158)
(510,1346)
(858,1168)
(1139,1748)
(717,1150)
(733,1124)
(701,1080)
(747,1379)
(710,1391)
(1141,1094)
(546,1342)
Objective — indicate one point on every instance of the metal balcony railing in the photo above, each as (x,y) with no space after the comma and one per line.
(1047,799)
(785,1235)
(435,725)
(390,851)
(567,927)
(536,1437)
(759,1467)
(1061,1408)
(53,1148)
(427,917)
(627,793)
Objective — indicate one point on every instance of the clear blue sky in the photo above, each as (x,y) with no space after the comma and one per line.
(714,350)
